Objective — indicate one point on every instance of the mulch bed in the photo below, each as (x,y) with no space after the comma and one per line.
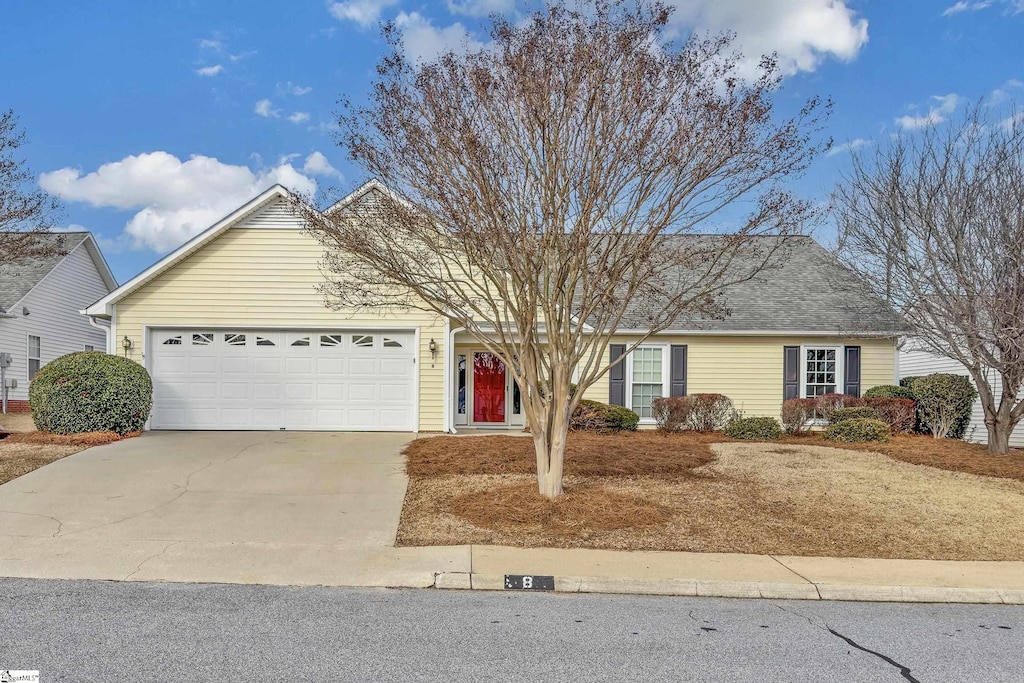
(951,455)
(83,439)
(649,491)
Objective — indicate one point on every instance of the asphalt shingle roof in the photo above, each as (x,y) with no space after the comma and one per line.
(809,291)
(17,279)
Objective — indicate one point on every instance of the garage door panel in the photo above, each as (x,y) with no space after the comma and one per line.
(253,379)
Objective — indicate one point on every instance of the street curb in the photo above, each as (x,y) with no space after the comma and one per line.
(746,589)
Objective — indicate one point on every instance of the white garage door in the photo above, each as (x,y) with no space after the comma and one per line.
(272,379)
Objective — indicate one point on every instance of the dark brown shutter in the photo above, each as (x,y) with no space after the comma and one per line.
(790,372)
(678,370)
(617,376)
(851,371)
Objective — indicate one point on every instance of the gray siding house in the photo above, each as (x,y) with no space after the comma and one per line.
(40,308)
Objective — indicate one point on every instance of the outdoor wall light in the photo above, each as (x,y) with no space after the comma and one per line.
(126,344)
(433,349)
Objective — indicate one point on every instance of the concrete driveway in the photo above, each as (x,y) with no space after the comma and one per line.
(293,508)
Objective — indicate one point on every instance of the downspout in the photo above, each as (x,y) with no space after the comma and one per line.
(100,326)
(449,355)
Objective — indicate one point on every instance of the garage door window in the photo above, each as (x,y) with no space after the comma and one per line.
(173,341)
(362,341)
(202,339)
(392,343)
(302,341)
(234,339)
(263,341)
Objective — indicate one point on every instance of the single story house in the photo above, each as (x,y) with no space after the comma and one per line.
(41,302)
(236,335)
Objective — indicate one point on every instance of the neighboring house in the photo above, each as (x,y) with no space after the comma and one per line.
(41,302)
(236,336)
(915,362)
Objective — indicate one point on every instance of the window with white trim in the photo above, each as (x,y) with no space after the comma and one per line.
(648,367)
(35,347)
(90,347)
(822,370)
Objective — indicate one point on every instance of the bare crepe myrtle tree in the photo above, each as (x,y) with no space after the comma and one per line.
(549,184)
(934,223)
(26,211)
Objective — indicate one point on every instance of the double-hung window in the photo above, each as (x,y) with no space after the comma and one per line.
(35,345)
(822,370)
(648,369)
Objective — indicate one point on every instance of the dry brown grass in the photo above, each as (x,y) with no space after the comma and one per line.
(792,498)
(607,455)
(83,439)
(17,459)
(16,422)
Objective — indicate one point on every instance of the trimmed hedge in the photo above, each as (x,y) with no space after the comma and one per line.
(797,414)
(944,403)
(889,391)
(710,412)
(754,429)
(859,412)
(826,403)
(594,416)
(899,413)
(90,391)
(672,414)
(858,430)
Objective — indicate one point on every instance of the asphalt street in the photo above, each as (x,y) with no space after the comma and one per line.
(128,631)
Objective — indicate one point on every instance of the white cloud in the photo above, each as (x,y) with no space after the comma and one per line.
(265,108)
(174,200)
(424,42)
(211,44)
(803,32)
(317,164)
(1004,92)
(299,117)
(1011,6)
(480,8)
(366,13)
(851,146)
(943,107)
(290,88)
(210,70)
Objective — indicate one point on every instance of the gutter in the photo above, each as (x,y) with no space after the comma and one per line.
(100,326)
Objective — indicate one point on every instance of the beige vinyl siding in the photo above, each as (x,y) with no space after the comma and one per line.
(268,277)
(748,369)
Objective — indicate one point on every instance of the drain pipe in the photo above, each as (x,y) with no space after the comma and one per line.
(100,326)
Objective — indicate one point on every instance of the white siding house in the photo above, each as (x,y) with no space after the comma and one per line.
(914,363)
(40,309)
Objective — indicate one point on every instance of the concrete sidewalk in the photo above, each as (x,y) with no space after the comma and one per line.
(746,576)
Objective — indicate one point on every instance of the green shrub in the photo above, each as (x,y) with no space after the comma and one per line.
(889,391)
(754,429)
(826,403)
(858,413)
(944,404)
(858,430)
(797,414)
(90,391)
(672,414)
(908,381)
(710,412)
(594,416)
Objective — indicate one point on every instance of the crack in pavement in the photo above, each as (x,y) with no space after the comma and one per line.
(60,524)
(904,670)
(784,566)
(151,557)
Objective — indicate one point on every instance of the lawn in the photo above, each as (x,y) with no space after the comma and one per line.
(912,498)
(23,449)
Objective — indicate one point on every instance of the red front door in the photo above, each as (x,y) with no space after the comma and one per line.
(488,388)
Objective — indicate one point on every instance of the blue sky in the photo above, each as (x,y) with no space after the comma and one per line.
(150,120)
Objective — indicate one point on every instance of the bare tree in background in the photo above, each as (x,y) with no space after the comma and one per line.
(26,211)
(550,184)
(934,223)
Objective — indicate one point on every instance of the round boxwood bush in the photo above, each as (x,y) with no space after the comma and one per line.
(858,412)
(944,403)
(754,429)
(889,391)
(90,391)
(594,416)
(858,430)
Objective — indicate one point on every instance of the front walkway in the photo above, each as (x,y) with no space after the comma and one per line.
(236,507)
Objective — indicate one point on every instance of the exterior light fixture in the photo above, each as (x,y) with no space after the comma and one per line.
(433,349)
(126,344)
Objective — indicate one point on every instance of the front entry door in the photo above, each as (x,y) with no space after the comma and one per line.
(489,388)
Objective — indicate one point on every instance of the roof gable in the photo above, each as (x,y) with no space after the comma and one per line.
(18,279)
(104,307)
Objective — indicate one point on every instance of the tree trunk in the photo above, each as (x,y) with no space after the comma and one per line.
(999,431)
(549,442)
